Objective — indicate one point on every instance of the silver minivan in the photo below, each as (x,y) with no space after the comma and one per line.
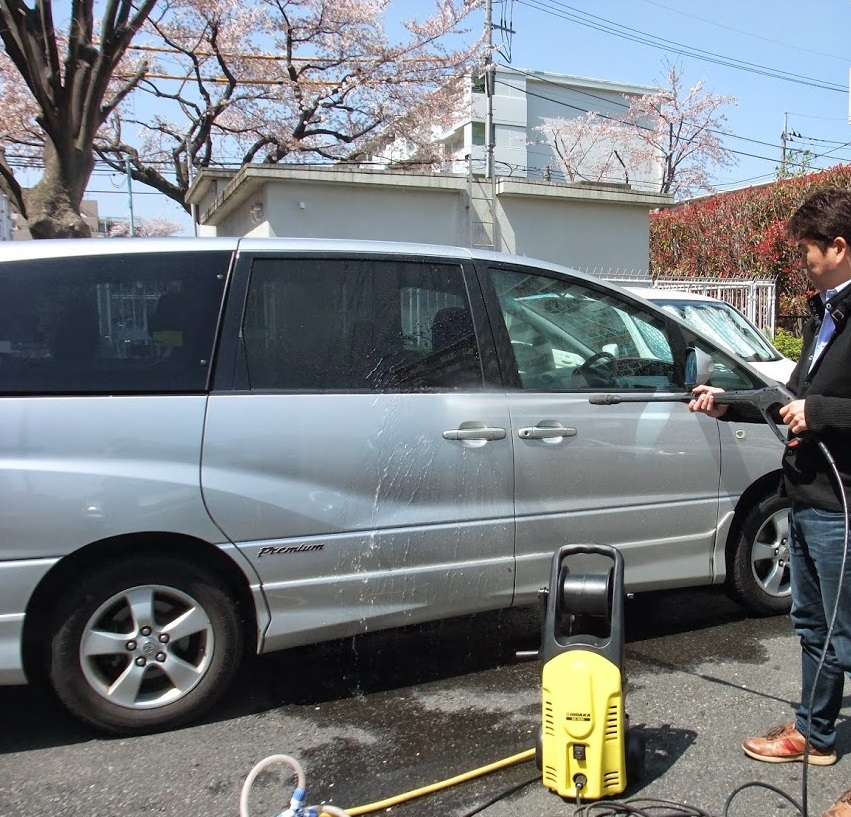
(213,446)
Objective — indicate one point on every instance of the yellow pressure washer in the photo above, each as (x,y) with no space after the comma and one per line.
(585,747)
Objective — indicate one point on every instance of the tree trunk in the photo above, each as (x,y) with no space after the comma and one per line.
(50,213)
(53,204)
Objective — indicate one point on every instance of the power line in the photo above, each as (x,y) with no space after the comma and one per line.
(823,118)
(815,139)
(739,182)
(821,155)
(682,13)
(592,21)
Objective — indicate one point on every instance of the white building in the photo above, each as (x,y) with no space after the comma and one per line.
(522,102)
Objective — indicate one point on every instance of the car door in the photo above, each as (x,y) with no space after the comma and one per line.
(641,476)
(360,463)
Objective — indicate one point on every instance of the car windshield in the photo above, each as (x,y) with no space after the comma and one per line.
(724,324)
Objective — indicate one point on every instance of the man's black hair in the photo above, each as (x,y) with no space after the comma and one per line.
(824,216)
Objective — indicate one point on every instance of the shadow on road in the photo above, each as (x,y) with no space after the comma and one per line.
(664,746)
(397,659)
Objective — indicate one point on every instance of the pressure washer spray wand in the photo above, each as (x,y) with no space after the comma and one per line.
(767,400)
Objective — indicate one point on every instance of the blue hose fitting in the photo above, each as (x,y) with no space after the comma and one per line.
(296,808)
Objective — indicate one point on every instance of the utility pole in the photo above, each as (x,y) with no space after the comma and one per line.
(192,207)
(490,81)
(490,77)
(129,194)
(783,145)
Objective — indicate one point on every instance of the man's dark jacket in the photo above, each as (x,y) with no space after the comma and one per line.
(807,476)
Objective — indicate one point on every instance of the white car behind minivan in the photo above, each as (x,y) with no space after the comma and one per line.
(725,325)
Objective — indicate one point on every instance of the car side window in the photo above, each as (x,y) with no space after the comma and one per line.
(130,323)
(566,335)
(359,325)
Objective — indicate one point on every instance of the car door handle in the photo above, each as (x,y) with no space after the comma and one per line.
(542,432)
(478,432)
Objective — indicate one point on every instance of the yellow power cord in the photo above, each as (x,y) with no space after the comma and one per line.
(433,787)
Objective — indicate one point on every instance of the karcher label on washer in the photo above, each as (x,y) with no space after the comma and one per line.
(583,725)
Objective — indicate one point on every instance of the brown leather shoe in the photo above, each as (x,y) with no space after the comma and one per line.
(841,808)
(785,744)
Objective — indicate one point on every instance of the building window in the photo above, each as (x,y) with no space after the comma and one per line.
(479,133)
(477,83)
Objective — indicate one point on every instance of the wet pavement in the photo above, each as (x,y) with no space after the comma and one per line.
(388,712)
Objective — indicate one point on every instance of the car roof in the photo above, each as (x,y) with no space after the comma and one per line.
(75,247)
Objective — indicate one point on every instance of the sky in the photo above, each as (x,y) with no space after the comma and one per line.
(793,67)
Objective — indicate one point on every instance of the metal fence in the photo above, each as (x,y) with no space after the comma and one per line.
(757,298)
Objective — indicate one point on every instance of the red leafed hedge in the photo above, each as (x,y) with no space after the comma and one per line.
(740,235)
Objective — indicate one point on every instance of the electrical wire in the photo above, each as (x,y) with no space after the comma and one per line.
(682,13)
(639,806)
(755,784)
(501,796)
(563,11)
(738,182)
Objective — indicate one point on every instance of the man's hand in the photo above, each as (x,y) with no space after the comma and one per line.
(794,416)
(704,402)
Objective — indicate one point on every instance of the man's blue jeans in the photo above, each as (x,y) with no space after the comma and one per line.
(817,538)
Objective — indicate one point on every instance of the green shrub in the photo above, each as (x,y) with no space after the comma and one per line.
(787,344)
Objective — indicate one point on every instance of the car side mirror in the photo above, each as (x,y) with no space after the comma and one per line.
(699,366)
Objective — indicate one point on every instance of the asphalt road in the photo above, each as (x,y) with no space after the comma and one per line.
(385,713)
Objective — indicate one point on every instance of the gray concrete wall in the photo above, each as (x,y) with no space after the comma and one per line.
(602,228)
(583,234)
(337,211)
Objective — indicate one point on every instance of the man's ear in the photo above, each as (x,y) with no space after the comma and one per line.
(841,247)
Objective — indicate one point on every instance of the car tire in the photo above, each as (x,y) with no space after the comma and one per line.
(145,644)
(759,571)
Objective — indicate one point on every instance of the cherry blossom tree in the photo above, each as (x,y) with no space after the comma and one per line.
(592,147)
(57,91)
(145,228)
(286,81)
(213,83)
(685,128)
(668,141)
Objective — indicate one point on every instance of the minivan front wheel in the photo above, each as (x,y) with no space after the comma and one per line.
(145,644)
(758,573)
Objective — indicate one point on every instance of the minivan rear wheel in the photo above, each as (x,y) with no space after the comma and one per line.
(145,644)
(758,574)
